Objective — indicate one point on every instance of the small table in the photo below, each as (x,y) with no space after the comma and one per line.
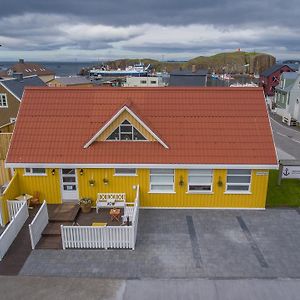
(25,197)
(115,214)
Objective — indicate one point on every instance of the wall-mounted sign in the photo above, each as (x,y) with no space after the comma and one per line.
(290,172)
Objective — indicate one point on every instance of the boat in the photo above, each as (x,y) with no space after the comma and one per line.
(226,77)
(137,70)
(249,84)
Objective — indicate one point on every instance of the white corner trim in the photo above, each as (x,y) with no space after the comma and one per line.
(4,86)
(115,117)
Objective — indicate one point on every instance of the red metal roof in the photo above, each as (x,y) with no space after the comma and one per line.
(200,126)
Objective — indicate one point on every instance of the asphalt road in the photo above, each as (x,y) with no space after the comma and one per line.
(35,288)
(287,141)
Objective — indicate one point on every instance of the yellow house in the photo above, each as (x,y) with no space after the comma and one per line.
(184,147)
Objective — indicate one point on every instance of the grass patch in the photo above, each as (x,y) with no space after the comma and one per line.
(286,194)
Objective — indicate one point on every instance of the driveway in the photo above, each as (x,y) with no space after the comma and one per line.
(189,244)
(287,139)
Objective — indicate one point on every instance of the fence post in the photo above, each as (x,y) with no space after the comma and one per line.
(105,238)
(62,237)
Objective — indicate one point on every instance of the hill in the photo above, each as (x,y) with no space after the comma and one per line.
(228,62)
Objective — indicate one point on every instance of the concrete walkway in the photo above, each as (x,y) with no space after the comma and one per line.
(45,288)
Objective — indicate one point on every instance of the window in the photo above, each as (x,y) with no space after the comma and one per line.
(12,120)
(200,180)
(153,81)
(162,180)
(143,81)
(238,180)
(125,172)
(126,132)
(3,100)
(35,171)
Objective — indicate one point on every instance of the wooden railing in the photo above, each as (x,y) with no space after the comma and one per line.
(13,228)
(13,207)
(38,224)
(114,237)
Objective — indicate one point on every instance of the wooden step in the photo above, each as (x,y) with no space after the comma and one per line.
(49,242)
(66,212)
(53,228)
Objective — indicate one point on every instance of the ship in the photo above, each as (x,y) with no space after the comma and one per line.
(137,70)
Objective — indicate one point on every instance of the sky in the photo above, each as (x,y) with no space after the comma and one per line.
(91,30)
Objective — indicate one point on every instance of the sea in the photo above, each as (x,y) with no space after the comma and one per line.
(74,68)
(59,68)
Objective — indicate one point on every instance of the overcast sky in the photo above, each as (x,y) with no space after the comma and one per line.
(81,30)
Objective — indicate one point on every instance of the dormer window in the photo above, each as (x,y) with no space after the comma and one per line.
(126,132)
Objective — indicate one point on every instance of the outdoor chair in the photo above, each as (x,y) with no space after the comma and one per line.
(35,200)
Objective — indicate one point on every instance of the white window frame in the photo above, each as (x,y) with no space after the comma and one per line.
(31,172)
(156,172)
(126,132)
(3,97)
(122,172)
(199,175)
(238,184)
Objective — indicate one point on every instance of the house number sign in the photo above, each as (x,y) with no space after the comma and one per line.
(290,172)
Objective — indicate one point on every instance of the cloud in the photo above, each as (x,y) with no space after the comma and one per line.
(136,28)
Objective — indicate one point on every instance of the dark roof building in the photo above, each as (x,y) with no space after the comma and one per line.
(270,78)
(188,78)
(11,92)
(28,69)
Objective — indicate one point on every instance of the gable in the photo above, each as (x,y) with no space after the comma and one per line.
(125,115)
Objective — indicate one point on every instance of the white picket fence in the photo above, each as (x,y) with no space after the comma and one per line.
(13,207)
(13,228)
(92,237)
(38,224)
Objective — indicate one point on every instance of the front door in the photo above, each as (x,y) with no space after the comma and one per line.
(69,186)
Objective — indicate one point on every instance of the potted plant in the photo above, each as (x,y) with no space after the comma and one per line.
(85,204)
(92,182)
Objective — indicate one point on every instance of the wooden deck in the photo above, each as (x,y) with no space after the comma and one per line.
(69,214)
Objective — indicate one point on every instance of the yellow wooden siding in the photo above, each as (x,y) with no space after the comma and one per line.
(10,193)
(49,187)
(125,115)
(4,173)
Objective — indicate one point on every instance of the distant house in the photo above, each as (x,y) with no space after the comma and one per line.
(70,81)
(269,79)
(150,81)
(11,91)
(188,78)
(287,98)
(28,69)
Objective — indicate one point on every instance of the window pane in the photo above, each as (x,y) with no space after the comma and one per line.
(69,179)
(200,179)
(158,187)
(28,170)
(161,171)
(201,172)
(68,171)
(126,122)
(69,187)
(238,179)
(38,171)
(137,135)
(114,135)
(126,136)
(239,172)
(161,179)
(199,187)
(126,128)
(238,187)
(125,171)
